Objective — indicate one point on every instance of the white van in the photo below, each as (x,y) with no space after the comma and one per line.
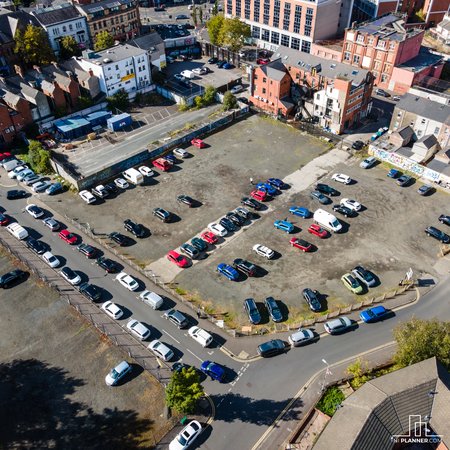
(188,74)
(200,335)
(151,299)
(11,165)
(133,176)
(18,231)
(327,220)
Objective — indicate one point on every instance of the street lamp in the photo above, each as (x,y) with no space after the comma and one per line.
(327,372)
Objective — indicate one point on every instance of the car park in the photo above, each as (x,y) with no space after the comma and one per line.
(117,373)
(34,211)
(162,214)
(31,179)
(284,225)
(244,213)
(437,234)
(425,190)
(209,237)
(177,259)
(368,162)
(273,309)
(394,173)
(325,189)
(10,278)
(199,244)
(245,267)
(119,238)
(271,348)
(259,195)
(364,276)
(351,204)
(300,211)
(107,264)
(357,145)
(146,171)
(276,183)
(151,299)
(341,178)
(121,183)
(181,153)
(338,325)
(69,275)
(190,250)
(229,225)
(87,250)
(177,318)
(267,188)
(36,246)
(301,244)
(404,180)
(201,336)
(186,200)
(318,231)
(264,251)
(312,299)
(41,186)
(4,220)
(68,237)
(138,329)
(373,314)
(127,281)
(87,197)
(319,197)
(161,350)
(250,202)
(344,210)
(15,194)
(136,229)
(228,271)
(301,337)
(444,219)
(217,229)
(252,311)
(199,143)
(51,259)
(352,283)
(213,370)
(91,291)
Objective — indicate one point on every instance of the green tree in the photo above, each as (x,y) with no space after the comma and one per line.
(214,27)
(39,158)
(209,96)
(69,47)
(199,102)
(215,9)
(119,101)
(32,46)
(359,371)
(103,40)
(233,34)
(184,390)
(332,398)
(229,101)
(422,339)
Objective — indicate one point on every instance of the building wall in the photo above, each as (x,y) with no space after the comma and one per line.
(326,52)
(435,11)
(76,28)
(386,7)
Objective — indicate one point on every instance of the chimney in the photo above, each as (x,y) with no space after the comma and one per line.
(37,69)
(18,69)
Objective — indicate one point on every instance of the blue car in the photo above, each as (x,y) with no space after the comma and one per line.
(227,66)
(373,314)
(220,64)
(394,173)
(54,189)
(228,271)
(171,158)
(213,370)
(300,211)
(267,188)
(284,225)
(276,183)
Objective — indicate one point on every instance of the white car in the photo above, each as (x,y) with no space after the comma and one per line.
(200,335)
(50,259)
(117,373)
(41,185)
(351,204)
(161,350)
(24,173)
(127,281)
(13,173)
(87,197)
(146,171)
(112,310)
(264,251)
(200,70)
(217,229)
(121,183)
(181,152)
(236,89)
(138,329)
(69,275)
(341,178)
(34,211)
(186,436)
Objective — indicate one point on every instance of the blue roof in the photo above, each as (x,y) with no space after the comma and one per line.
(65,125)
(97,114)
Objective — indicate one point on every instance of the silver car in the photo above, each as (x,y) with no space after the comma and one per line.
(368,162)
(301,337)
(138,329)
(161,350)
(338,325)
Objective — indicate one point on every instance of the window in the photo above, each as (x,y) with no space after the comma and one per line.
(264,80)
(229,8)
(392,46)
(286,17)
(284,40)
(346,56)
(360,38)
(266,12)
(306,46)
(297,18)
(79,25)
(356,59)
(55,31)
(238,8)
(295,43)
(307,31)
(382,44)
(423,121)
(275,38)
(70,27)
(436,130)
(95,26)
(370,41)
(117,67)
(256,6)
(247,9)
(264,91)
(64,28)
(256,32)
(265,35)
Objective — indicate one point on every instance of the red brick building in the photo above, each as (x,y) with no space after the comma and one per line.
(15,114)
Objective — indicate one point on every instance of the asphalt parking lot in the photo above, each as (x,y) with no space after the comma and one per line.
(52,386)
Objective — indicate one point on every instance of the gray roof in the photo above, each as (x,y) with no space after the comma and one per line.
(406,132)
(443,168)
(325,67)
(445,24)
(56,14)
(428,141)
(11,21)
(116,53)
(102,5)
(147,41)
(424,107)
(382,407)
(422,61)
(274,70)
(10,98)
(74,66)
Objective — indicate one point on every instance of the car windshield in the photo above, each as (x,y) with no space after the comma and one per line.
(182,440)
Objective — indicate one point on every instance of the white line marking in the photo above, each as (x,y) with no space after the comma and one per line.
(193,354)
(164,331)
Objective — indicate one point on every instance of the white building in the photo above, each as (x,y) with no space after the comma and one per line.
(442,30)
(63,20)
(120,67)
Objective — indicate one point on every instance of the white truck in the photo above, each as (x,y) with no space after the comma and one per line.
(18,231)
(327,220)
(133,176)
(188,74)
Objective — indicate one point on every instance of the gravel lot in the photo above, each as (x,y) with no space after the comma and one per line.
(53,366)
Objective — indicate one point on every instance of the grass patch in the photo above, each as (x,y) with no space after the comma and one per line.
(180,291)
(331,399)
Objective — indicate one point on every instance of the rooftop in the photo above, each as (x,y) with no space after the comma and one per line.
(172,31)
(103,5)
(117,53)
(56,14)
(425,108)
(423,60)
(274,70)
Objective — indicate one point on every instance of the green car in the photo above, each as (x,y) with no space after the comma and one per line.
(352,284)
(199,244)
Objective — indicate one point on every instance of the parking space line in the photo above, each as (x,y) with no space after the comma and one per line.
(193,354)
(164,331)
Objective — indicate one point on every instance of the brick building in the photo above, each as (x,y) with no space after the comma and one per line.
(15,114)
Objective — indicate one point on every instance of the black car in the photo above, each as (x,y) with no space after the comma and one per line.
(319,197)
(235,218)
(199,244)
(273,309)
(119,238)
(228,224)
(444,219)
(186,200)
(357,145)
(181,17)
(325,189)
(134,228)
(382,93)
(37,246)
(91,291)
(108,264)
(341,209)
(8,279)
(111,188)
(271,348)
(244,100)
(212,60)
(251,202)
(438,234)
(312,299)
(404,180)
(244,266)
(87,250)
(252,311)
(15,194)
(162,214)
(179,366)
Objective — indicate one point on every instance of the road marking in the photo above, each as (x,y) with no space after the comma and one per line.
(164,331)
(193,354)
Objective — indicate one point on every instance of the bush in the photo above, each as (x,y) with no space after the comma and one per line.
(330,400)
(229,101)
(184,390)
(39,158)
(119,101)
(209,96)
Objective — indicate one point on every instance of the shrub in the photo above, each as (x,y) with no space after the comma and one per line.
(330,400)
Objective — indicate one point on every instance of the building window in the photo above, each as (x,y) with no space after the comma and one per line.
(64,28)
(247,9)
(265,34)
(256,32)
(306,46)
(384,78)
(275,38)
(346,56)
(284,40)
(392,46)
(423,121)
(287,15)
(297,18)
(70,27)
(264,80)
(360,38)
(266,12)
(255,10)
(264,90)
(436,130)
(370,41)
(356,59)
(229,7)
(295,43)
(238,8)
(307,31)
(381,44)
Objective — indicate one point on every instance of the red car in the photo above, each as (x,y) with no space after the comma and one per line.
(259,195)
(4,155)
(209,237)
(262,61)
(198,143)
(67,236)
(318,231)
(177,259)
(3,220)
(301,244)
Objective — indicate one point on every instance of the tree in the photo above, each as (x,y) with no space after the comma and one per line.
(33,47)
(103,40)
(332,398)
(418,340)
(209,96)
(233,34)
(215,9)
(119,101)
(184,390)
(214,26)
(39,158)
(229,101)
(194,17)
(69,47)
(358,370)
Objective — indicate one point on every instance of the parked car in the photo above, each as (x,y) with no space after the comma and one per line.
(41,186)
(31,179)
(186,200)
(213,60)
(138,329)
(236,89)
(13,173)
(267,188)
(325,189)
(273,309)
(112,188)
(54,188)
(107,264)
(112,310)
(284,225)
(100,191)
(252,311)
(10,278)
(134,228)
(351,204)
(201,336)
(119,238)
(382,93)
(146,171)
(312,299)
(209,237)
(117,373)
(4,220)
(199,143)
(51,223)
(317,230)
(368,162)
(213,370)
(364,276)
(23,174)
(437,234)
(217,229)
(245,267)
(244,213)
(394,173)
(34,210)
(51,259)
(341,178)
(199,244)
(177,318)
(127,281)
(319,197)
(91,291)
(228,224)
(300,211)
(161,350)
(352,283)
(14,194)
(250,202)
(235,218)
(87,250)
(373,314)
(425,190)
(121,183)
(357,145)
(190,250)
(444,219)
(276,183)
(338,325)
(301,337)
(271,348)
(87,197)
(264,251)
(36,246)
(259,195)
(228,271)
(200,70)
(301,244)
(181,153)
(68,237)
(177,259)
(404,180)
(162,214)
(341,209)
